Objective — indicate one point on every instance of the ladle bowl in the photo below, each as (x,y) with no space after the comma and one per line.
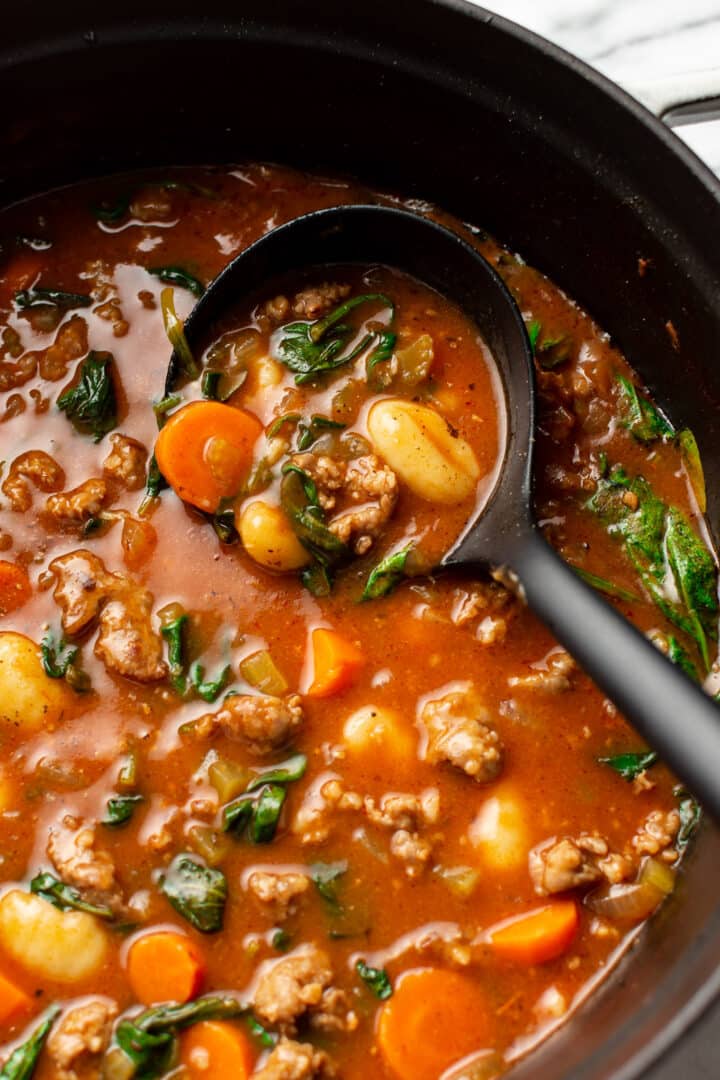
(673,714)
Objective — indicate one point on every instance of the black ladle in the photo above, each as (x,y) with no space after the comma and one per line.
(676,718)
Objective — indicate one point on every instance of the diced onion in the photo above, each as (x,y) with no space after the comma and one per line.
(261,672)
(459,880)
(658,874)
(631,902)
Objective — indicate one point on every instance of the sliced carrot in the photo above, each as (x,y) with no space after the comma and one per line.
(14,587)
(13,1000)
(216,1050)
(205,452)
(433,1019)
(164,966)
(336,662)
(537,936)
(19,273)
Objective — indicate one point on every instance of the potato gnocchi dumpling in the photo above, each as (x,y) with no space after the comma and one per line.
(64,946)
(29,699)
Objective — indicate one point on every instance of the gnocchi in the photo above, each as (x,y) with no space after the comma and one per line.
(416,442)
(380,731)
(30,699)
(268,538)
(65,946)
(499,832)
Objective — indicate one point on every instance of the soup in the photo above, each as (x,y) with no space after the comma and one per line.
(278,799)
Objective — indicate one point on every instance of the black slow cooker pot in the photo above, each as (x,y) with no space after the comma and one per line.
(440,101)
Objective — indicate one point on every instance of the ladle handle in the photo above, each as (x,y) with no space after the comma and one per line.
(672,713)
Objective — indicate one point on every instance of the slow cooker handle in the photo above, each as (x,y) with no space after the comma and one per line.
(689,98)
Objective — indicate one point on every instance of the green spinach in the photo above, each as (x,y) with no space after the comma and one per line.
(120,809)
(644,422)
(66,897)
(308,433)
(630,765)
(174,633)
(376,979)
(57,655)
(674,565)
(65,301)
(310,349)
(690,815)
(386,575)
(91,405)
(605,586)
(326,879)
(259,807)
(21,1063)
(300,501)
(197,892)
(144,1046)
(175,275)
(209,689)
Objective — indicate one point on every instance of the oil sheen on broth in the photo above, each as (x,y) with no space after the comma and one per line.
(276,799)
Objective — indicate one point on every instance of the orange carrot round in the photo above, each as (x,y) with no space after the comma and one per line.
(13,1000)
(433,1019)
(215,1050)
(14,587)
(164,966)
(537,936)
(205,452)
(336,662)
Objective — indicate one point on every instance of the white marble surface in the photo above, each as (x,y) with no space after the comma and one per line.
(633,41)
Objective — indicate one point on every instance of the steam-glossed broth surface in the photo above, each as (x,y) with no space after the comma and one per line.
(358,817)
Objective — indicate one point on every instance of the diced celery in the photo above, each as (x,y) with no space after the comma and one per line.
(262,673)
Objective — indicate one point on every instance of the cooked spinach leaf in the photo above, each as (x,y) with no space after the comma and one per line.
(326,879)
(680,656)
(533,332)
(174,633)
(175,331)
(607,587)
(386,575)
(376,979)
(382,352)
(308,433)
(66,897)
(673,563)
(266,813)
(57,655)
(154,484)
(164,406)
(58,661)
(644,422)
(66,301)
(210,689)
(223,522)
(217,386)
(266,1038)
(695,576)
(91,405)
(259,807)
(299,500)
(316,579)
(310,349)
(690,813)
(630,765)
(693,466)
(281,940)
(144,1045)
(21,1063)
(283,773)
(175,275)
(197,892)
(120,809)
(280,421)
(112,211)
